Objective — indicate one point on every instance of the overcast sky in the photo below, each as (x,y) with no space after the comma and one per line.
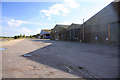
(30,17)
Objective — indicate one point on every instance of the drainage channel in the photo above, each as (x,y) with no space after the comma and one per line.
(2,49)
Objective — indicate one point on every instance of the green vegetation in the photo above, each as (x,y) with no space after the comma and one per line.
(36,36)
(18,37)
(23,36)
(6,38)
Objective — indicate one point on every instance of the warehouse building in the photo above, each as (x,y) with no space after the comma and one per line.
(103,26)
(73,32)
(59,32)
(45,34)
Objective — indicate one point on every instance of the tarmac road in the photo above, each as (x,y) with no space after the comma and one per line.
(58,59)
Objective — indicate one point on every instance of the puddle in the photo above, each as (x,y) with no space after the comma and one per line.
(2,49)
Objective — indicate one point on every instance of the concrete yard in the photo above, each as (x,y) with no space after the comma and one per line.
(58,59)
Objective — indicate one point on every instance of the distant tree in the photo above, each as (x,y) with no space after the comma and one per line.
(20,35)
(34,36)
(24,36)
(30,36)
(38,34)
(15,37)
(27,36)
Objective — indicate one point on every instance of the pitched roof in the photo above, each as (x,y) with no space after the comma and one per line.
(59,28)
(64,26)
(73,26)
(47,30)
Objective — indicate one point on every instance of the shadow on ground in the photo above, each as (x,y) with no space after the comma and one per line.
(49,54)
(50,58)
